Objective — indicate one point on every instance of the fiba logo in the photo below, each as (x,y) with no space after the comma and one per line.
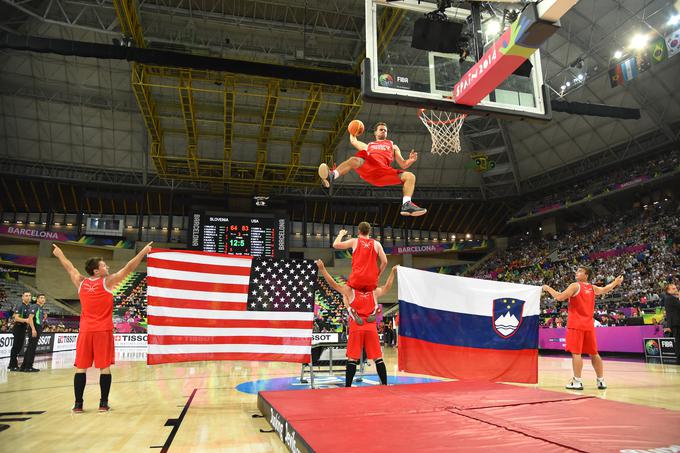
(652,348)
(386,80)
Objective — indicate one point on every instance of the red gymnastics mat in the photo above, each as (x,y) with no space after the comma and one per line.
(462,416)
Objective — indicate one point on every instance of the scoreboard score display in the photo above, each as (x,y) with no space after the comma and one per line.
(240,234)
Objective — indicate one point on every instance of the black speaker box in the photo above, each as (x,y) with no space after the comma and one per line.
(524,69)
(436,36)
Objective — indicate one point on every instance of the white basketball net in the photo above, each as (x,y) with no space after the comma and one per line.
(444,128)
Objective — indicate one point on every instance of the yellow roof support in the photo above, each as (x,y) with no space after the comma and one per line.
(307,118)
(229,103)
(347,114)
(186,101)
(265,128)
(130,25)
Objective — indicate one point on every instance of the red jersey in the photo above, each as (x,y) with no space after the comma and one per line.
(365,270)
(381,151)
(96,301)
(364,304)
(581,308)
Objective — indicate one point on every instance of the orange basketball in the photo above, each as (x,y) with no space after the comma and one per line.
(356,127)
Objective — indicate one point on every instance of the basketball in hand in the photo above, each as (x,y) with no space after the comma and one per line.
(356,127)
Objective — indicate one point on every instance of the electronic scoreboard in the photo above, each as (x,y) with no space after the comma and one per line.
(240,234)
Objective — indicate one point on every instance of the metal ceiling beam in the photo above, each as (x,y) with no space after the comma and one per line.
(639,97)
(510,152)
(265,129)
(648,143)
(147,107)
(347,114)
(310,110)
(186,100)
(228,121)
(128,18)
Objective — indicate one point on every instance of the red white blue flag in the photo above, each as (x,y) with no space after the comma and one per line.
(467,328)
(207,306)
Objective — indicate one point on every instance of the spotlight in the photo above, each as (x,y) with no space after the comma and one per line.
(618,54)
(674,19)
(639,41)
(492,27)
(580,77)
(568,84)
(563,87)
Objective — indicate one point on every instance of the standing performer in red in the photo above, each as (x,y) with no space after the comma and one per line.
(95,334)
(580,324)
(365,253)
(362,307)
(373,163)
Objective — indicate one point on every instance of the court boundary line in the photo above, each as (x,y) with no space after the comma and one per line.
(176,423)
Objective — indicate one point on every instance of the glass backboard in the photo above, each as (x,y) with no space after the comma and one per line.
(397,73)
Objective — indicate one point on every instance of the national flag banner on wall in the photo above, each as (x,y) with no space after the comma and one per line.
(615,75)
(643,59)
(629,69)
(658,50)
(673,42)
(208,306)
(467,328)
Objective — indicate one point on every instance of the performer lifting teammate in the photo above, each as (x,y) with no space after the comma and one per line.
(580,324)
(95,335)
(363,331)
(373,164)
(366,251)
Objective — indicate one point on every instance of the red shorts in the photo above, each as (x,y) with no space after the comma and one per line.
(376,173)
(364,339)
(581,341)
(362,284)
(95,347)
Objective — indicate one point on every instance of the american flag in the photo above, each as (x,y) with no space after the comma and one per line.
(207,306)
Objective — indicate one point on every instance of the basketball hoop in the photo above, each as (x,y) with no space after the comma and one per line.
(444,128)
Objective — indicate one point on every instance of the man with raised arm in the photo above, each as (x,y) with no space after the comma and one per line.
(95,335)
(365,253)
(362,307)
(580,324)
(373,163)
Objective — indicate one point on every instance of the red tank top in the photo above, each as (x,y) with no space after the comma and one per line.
(364,304)
(96,303)
(364,265)
(382,151)
(581,308)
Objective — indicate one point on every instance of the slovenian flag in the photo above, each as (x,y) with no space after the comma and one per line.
(467,328)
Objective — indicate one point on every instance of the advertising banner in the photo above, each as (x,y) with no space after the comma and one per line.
(130,340)
(34,234)
(6,341)
(65,341)
(609,339)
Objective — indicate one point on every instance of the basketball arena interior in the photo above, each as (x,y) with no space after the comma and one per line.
(339,225)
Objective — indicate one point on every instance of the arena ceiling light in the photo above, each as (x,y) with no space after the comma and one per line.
(618,54)
(492,27)
(639,41)
(675,19)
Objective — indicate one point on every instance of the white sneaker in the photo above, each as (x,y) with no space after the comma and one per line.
(574,385)
(601,384)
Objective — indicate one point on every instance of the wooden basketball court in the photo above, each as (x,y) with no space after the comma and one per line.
(196,406)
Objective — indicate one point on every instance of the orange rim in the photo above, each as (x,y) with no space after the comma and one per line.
(453,120)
